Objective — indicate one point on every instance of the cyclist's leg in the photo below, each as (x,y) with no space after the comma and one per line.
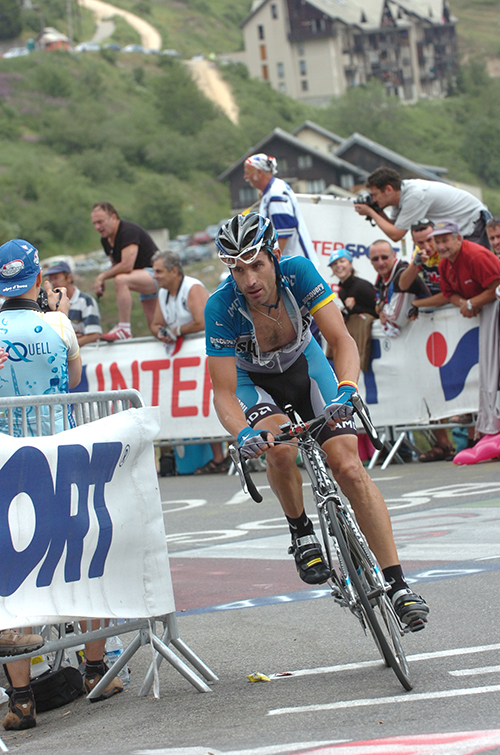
(285,481)
(375,523)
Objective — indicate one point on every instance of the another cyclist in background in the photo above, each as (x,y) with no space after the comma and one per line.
(262,357)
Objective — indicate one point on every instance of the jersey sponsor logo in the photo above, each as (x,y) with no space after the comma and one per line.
(12,268)
(314,293)
(221,343)
(18,352)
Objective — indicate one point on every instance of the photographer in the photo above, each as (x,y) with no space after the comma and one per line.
(415,198)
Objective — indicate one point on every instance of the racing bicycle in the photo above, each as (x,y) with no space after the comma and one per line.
(356,581)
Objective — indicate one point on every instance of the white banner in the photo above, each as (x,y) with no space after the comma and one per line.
(430,371)
(81,524)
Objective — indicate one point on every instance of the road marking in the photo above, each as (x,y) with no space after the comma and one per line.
(269,750)
(188,503)
(475,671)
(453,652)
(365,702)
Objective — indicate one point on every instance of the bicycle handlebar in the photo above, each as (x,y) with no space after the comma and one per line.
(295,431)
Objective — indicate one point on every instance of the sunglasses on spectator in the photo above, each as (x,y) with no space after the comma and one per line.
(380,257)
(420,225)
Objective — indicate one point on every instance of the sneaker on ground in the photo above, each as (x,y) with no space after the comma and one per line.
(12,643)
(114,687)
(117,334)
(21,715)
(411,609)
(308,555)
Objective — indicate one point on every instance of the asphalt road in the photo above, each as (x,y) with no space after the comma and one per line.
(242,609)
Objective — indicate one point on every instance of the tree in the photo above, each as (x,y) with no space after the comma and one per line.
(10,19)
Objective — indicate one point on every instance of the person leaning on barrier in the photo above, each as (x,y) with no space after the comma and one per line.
(180,311)
(261,356)
(358,300)
(493,231)
(83,309)
(54,366)
(394,306)
(416,198)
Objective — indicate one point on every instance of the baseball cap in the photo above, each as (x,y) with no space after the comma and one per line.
(445,226)
(263,162)
(338,254)
(58,267)
(19,266)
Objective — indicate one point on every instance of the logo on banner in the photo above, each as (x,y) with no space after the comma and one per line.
(61,507)
(453,373)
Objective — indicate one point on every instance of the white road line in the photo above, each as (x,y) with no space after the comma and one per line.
(410,658)
(403,698)
(475,671)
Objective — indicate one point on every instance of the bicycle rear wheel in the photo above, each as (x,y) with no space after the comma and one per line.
(375,604)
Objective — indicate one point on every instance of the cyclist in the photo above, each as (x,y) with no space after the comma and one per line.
(261,357)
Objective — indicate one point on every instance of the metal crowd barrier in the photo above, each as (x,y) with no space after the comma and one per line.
(160,632)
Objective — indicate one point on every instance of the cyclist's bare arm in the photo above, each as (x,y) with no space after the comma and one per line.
(344,349)
(223,374)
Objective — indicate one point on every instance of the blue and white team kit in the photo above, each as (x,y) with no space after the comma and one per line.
(38,346)
(298,373)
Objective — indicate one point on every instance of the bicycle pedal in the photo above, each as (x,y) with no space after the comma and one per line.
(416,626)
(338,597)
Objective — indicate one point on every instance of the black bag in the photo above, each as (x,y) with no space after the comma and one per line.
(56,688)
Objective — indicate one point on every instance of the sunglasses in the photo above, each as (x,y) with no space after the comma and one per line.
(380,257)
(247,256)
(421,224)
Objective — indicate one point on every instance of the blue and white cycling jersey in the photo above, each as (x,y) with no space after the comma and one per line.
(229,325)
(279,203)
(38,346)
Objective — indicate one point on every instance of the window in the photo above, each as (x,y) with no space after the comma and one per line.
(302,67)
(274,10)
(247,196)
(347,181)
(260,32)
(282,87)
(263,53)
(281,70)
(265,73)
(304,85)
(316,186)
(304,161)
(314,26)
(282,163)
(300,49)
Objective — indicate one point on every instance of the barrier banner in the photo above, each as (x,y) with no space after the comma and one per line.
(81,524)
(428,372)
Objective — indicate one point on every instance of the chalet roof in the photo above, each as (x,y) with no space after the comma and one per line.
(334,160)
(419,170)
(320,130)
(367,14)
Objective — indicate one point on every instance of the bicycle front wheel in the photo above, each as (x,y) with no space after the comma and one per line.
(374,602)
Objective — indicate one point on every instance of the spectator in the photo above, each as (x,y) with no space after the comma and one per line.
(358,299)
(493,231)
(279,203)
(415,198)
(40,333)
(469,276)
(130,249)
(425,261)
(180,311)
(393,305)
(83,309)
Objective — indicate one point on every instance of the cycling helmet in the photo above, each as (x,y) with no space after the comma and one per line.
(243,237)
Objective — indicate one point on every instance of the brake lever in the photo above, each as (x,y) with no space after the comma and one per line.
(362,411)
(247,483)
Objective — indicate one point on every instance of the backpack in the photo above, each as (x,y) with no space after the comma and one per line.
(55,688)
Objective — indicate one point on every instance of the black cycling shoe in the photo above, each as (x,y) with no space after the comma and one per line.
(411,609)
(308,555)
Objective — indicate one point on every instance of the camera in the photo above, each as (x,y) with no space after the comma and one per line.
(42,301)
(165,331)
(366,198)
